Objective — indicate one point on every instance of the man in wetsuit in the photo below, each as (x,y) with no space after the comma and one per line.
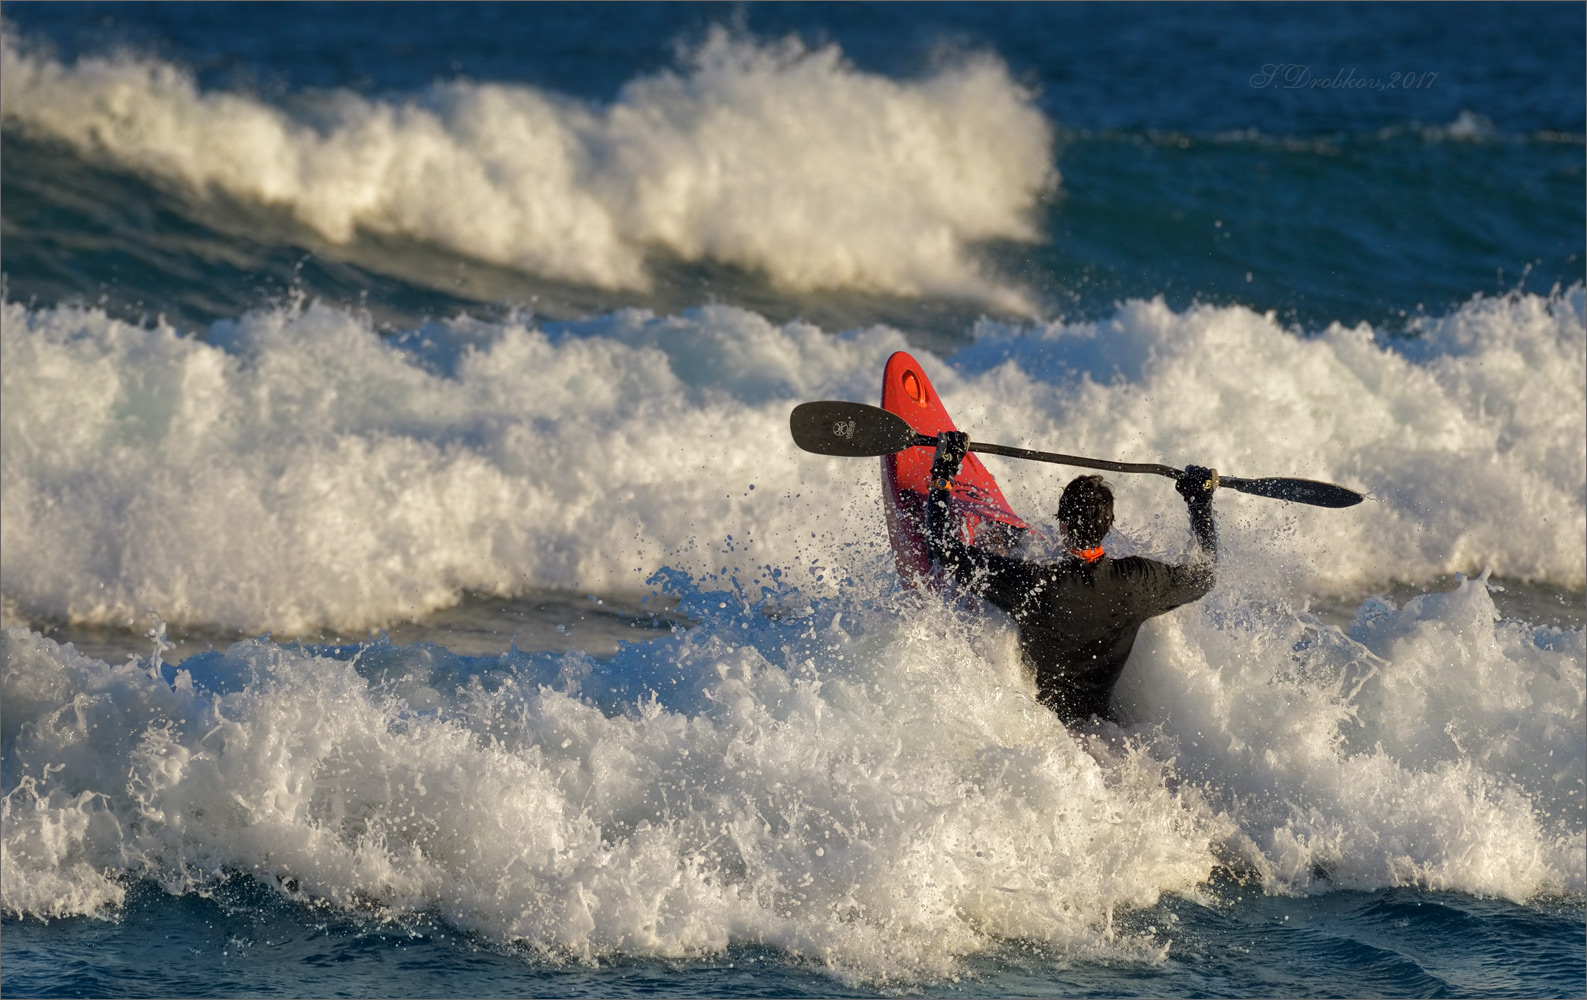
(1077,616)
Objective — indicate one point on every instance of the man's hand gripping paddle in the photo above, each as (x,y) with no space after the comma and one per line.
(857,430)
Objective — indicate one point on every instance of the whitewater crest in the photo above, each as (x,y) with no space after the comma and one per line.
(295,469)
(866,782)
(776,158)
(732,784)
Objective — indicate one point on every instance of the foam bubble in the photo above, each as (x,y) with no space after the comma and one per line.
(776,158)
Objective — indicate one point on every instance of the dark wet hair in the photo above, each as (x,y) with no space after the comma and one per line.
(1086,510)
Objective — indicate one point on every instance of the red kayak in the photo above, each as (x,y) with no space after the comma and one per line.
(987,519)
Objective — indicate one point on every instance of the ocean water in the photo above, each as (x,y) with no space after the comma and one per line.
(410,587)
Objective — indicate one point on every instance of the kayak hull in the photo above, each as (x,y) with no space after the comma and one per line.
(985,517)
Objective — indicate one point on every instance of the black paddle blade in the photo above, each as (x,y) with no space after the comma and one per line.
(1298,490)
(853,430)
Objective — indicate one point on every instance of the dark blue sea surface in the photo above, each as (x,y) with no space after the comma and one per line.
(242,941)
(409,589)
(1333,162)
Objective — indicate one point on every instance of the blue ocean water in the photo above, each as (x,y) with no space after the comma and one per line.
(409,587)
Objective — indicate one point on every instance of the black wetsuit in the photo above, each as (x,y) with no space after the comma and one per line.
(1077,620)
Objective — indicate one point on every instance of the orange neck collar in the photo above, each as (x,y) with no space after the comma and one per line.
(1087,555)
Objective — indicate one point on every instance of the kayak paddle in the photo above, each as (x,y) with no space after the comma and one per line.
(857,430)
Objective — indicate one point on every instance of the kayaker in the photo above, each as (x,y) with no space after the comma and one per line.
(1078,615)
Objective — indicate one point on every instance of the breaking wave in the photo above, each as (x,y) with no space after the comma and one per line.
(775,158)
(294,468)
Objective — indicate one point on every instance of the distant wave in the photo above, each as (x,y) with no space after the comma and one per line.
(775,158)
(296,468)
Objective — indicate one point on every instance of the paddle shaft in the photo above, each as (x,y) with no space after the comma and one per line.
(1105,465)
(1150,468)
(834,427)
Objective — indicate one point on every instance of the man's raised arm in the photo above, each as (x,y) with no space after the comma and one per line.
(1196,484)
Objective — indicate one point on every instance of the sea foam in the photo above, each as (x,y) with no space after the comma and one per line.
(865,782)
(869,794)
(775,158)
(295,469)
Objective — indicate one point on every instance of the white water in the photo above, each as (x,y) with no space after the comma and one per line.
(865,782)
(775,158)
(854,775)
(850,774)
(296,470)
